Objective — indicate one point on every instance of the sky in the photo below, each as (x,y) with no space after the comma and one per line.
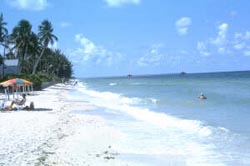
(121,37)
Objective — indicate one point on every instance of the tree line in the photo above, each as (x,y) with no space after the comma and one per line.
(32,50)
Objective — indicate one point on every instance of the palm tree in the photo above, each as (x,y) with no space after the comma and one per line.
(3,30)
(3,37)
(55,63)
(63,65)
(24,40)
(46,37)
(3,33)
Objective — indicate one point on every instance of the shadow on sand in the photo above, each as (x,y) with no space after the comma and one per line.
(40,109)
(36,109)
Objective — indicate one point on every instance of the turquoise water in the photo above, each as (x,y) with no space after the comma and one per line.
(162,116)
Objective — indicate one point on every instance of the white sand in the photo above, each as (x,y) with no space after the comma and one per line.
(57,136)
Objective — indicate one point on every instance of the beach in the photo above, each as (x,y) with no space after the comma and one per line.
(138,121)
(124,83)
(52,135)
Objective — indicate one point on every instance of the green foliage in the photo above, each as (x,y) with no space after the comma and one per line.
(36,79)
(45,37)
(3,35)
(25,41)
(45,33)
(56,64)
(33,53)
(3,30)
(1,59)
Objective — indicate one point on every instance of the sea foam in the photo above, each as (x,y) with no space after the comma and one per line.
(119,102)
(155,133)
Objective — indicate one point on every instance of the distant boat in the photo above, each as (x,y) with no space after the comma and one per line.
(183,73)
(129,75)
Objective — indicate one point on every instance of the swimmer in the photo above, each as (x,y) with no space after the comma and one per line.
(202,96)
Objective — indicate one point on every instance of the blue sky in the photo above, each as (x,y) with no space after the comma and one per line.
(120,37)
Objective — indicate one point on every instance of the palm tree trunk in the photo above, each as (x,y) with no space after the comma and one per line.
(25,53)
(23,58)
(37,61)
(4,48)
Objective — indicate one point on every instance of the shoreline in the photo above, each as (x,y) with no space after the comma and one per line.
(55,135)
(74,126)
(45,85)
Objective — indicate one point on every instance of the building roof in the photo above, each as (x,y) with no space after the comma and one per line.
(11,62)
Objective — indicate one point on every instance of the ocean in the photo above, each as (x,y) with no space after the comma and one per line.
(162,122)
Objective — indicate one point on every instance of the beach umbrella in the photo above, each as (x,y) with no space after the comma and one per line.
(16,82)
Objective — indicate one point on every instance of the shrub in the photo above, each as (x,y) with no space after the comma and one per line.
(36,79)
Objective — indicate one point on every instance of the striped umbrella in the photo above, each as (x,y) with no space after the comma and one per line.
(16,82)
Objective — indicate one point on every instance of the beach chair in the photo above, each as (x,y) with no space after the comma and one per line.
(20,105)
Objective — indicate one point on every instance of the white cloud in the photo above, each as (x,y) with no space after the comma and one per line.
(222,34)
(152,56)
(182,25)
(89,51)
(226,44)
(118,3)
(247,35)
(221,41)
(222,50)
(29,4)
(65,24)
(202,48)
(247,53)
(241,40)
(184,21)
(89,48)
(242,36)
(182,31)
(239,46)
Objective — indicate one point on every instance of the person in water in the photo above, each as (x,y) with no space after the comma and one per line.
(202,96)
